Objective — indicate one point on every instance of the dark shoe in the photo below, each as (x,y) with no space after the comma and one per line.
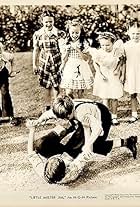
(131,144)
(14,121)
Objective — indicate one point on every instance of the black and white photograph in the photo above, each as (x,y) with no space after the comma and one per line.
(69,104)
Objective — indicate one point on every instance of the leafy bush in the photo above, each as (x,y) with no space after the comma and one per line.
(18,27)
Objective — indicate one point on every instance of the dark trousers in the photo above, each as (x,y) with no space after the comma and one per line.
(7,108)
(101,145)
(50,144)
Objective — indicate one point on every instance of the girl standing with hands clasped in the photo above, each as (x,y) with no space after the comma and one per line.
(110,71)
(76,73)
(132,83)
(47,57)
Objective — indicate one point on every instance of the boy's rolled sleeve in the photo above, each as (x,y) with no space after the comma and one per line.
(46,116)
(38,163)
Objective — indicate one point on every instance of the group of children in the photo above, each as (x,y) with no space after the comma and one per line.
(64,63)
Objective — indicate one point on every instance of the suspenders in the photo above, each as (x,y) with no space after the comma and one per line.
(84,102)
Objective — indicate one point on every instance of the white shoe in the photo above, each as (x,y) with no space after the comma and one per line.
(115,121)
(133,119)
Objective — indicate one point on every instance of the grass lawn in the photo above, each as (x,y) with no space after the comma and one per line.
(16,173)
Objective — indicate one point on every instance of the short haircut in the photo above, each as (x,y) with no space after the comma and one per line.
(63,106)
(47,14)
(55,169)
(134,24)
(133,27)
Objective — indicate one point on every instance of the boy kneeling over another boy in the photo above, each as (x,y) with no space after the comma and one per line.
(61,155)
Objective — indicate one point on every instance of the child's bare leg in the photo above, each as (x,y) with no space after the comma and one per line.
(114,106)
(48,99)
(80,93)
(134,108)
(69,92)
(134,102)
(54,94)
(114,112)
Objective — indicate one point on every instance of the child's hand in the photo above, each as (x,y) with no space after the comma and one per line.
(13,73)
(78,49)
(122,79)
(83,55)
(65,123)
(115,72)
(31,123)
(105,78)
(35,70)
(74,45)
(61,68)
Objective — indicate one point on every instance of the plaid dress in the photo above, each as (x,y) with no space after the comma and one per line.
(50,56)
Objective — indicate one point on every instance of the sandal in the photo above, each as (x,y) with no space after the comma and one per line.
(133,119)
(115,122)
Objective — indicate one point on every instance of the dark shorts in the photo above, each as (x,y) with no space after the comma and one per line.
(4,75)
(50,144)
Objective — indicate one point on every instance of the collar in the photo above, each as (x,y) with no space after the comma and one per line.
(54,31)
(2,67)
(66,158)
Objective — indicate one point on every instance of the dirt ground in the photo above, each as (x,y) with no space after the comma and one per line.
(117,173)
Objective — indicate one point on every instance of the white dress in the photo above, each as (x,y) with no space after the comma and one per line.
(105,63)
(132,83)
(77,73)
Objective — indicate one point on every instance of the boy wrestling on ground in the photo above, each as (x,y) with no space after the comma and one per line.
(66,150)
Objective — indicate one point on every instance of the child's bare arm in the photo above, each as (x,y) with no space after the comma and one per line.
(76,167)
(64,61)
(36,53)
(11,64)
(98,68)
(34,158)
(123,74)
(31,139)
(42,119)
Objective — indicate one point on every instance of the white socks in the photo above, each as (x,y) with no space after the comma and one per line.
(114,119)
(114,116)
(134,114)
